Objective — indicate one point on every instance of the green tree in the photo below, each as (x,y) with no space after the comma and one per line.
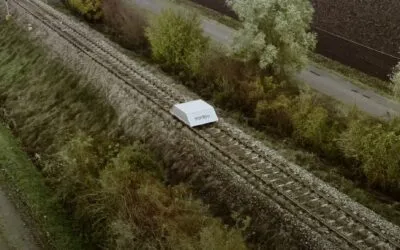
(275,34)
(177,41)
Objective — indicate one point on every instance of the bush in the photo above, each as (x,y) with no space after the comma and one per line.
(230,82)
(313,126)
(177,42)
(377,148)
(117,196)
(275,114)
(239,95)
(127,23)
(89,9)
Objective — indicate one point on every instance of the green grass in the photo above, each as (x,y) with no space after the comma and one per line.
(20,175)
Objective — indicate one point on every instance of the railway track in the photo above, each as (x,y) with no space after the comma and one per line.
(267,174)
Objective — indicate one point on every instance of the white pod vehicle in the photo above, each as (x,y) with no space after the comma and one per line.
(194,113)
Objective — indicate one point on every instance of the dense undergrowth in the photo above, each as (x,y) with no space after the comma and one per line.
(25,185)
(113,188)
(365,149)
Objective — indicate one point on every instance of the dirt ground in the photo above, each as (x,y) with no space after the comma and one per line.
(13,232)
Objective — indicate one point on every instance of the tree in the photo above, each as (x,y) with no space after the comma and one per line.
(177,41)
(395,78)
(275,34)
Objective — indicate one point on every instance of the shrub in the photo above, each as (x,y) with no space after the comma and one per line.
(230,82)
(127,23)
(117,196)
(177,42)
(275,114)
(313,127)
(89,9)
(239,95)
(377,147)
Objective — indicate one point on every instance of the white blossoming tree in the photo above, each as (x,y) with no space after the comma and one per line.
(275,34)
(396,81)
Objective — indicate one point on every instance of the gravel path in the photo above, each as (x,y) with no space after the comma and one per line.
(14,234)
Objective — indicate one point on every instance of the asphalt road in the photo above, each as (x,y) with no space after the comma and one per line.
(319,79)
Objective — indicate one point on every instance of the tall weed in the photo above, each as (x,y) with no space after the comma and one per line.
(112,188)
(126,23)
(125,205)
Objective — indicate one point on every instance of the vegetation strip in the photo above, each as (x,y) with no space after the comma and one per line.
(353,75)
(311,122)
(21,176)
(112,187)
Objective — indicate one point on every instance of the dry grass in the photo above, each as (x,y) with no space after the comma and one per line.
(126,23)
(123,202)
(111,186)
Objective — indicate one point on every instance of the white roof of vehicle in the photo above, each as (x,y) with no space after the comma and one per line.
(193,106)
(195,113)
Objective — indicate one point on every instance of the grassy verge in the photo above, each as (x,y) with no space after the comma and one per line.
(112,187)
(27,184)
